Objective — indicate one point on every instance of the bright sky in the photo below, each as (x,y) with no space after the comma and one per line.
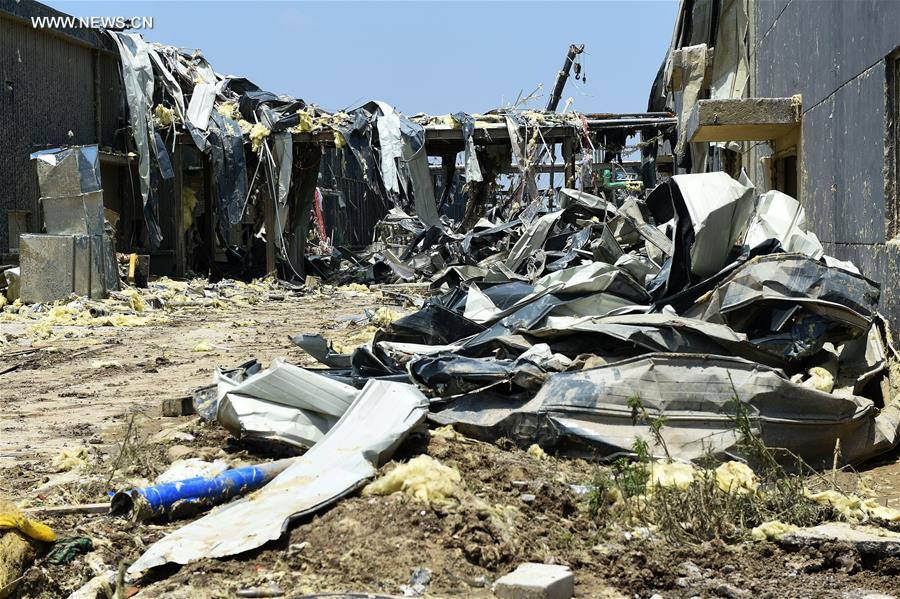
(433,57)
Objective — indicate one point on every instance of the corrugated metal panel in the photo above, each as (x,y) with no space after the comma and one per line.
(47,92)
(350,210)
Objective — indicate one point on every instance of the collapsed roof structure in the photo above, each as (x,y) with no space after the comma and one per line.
(265,153)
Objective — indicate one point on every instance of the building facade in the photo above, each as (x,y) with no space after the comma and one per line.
(57,87)
(834,69)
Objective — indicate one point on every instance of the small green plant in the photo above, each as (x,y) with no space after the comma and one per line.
(703,511)
(656,424)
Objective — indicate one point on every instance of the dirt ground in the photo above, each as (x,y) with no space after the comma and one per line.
(89,386)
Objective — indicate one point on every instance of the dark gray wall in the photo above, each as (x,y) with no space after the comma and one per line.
(47,89)
(834,54)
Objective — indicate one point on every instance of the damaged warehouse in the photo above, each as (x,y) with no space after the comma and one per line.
(253,347)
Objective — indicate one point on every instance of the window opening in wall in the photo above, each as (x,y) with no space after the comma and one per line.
(786,174)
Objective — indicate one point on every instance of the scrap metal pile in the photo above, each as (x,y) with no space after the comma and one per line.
(703,301)
(704,295)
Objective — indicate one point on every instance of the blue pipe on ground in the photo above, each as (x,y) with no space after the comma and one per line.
(199,492)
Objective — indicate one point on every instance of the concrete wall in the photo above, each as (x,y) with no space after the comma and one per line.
(834,54)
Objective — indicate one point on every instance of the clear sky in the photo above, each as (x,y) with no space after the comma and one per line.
(433,57)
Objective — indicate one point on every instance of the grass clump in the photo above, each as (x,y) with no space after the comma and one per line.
(631,492)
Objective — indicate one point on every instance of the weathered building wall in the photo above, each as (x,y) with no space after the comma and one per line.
(51,83)
(836,55)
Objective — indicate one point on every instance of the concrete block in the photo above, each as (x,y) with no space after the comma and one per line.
(536,581)
(178,406)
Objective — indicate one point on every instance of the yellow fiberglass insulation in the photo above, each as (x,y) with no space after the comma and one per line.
(385,316)
(136,300)
(164,116)
(103,364)
(735,477)
(853,508)
(447,432)
(536,452)
(229,110)
(246,126)
(423,478)
(70,459)
(354,340)
(339,141)
(820,379)
(188,203)
(773,530)
(257,134)
(203,346)
(305,123)
(670,474)
(354,287)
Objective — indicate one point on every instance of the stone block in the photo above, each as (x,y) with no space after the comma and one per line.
(536,581)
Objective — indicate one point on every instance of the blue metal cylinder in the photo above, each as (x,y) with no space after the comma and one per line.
(159,500)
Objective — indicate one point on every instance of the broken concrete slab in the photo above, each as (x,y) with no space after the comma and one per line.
(868,540)
(746,119)
(536,581)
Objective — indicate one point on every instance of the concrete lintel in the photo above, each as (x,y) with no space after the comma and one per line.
(748,119)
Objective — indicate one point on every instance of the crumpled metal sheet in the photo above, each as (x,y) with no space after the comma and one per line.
(451,374)
(519,150)
(403,167)
(718,207)
(532,239)
(349,454)
(588,412)
(68,171)
(201,105)
(609,335)
(589,280)
(284,403)
(318,348)
(779,216)
(282,146)
(837,295)
(473,169)
(137,74)
(161,57)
